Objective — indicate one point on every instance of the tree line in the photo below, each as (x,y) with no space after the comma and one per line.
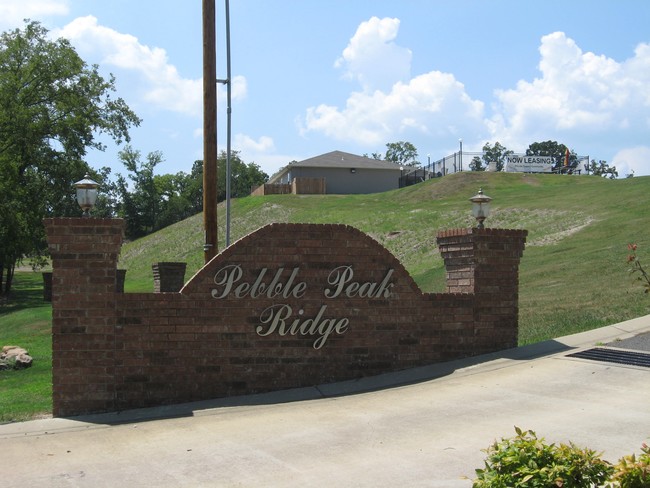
(53,107)
(149,202)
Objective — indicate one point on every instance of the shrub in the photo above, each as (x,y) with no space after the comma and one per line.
(631,472)
(642,274)
(526,461)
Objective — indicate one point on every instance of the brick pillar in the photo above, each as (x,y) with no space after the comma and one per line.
(84,263)
(485,262)
(168,277)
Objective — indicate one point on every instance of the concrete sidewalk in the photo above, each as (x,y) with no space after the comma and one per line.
(428,432)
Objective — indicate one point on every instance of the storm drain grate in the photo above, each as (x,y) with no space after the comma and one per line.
(630,358)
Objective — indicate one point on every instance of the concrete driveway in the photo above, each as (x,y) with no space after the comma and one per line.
(429,432)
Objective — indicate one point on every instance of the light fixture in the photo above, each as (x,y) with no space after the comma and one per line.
(480,207)
(86,194)
(353,170)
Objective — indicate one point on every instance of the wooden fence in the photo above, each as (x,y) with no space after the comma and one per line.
(299,186)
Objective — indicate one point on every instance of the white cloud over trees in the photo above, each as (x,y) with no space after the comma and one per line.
(391,104)
(580,98)
(163,84)
(578,95)
(595,104)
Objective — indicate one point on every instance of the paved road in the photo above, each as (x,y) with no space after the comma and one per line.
(427,433)
(639,342)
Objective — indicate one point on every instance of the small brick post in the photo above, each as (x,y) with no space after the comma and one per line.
(84,261)
(168,277)
(485,262)
(47,286)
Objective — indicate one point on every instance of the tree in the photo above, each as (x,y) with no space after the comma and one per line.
(174,202)
(243,176)
(402,153)
(496,153)
(139,205)
(476,164)
(108,198)
(377,156)
(193,190)
(149,202)
(52,107)
(601,168)
(554,149)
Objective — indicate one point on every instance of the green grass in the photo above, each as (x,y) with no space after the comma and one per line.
(26,321)
(573,275)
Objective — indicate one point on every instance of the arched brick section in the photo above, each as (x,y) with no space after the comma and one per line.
(289,305)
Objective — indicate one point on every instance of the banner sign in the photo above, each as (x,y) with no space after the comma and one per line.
(530,164)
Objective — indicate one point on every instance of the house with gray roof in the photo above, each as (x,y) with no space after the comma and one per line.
(338,172)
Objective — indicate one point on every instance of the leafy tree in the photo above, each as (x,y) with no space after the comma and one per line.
(476,164)
(601,168)
(148,202)
(402,153)
(174,198)
(375,155)
(243,176)
(52,107)
(139,205)
(554,149)
(193,189)
(108,198)
(496,153)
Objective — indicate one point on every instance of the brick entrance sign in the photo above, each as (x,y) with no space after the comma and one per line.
(290,305)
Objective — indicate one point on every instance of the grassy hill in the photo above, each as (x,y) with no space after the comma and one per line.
(573,274)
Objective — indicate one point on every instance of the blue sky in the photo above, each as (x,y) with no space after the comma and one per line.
(313,76)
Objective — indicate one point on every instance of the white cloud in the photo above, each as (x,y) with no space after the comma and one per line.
(593,103)
(264,144)
(163,85)
(373,59)
(634,159)
(434,105)
(261,152)
(579,96)
(13,12)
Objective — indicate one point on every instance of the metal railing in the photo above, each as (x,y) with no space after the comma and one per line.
(461,161)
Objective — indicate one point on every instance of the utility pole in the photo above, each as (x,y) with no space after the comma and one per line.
(228,83)
(210,248)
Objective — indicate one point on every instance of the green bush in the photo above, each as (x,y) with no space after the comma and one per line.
(526,461)
(631,472)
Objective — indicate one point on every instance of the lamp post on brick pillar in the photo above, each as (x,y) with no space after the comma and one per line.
(86,194)
(485,262)
(84,266)
(480,207)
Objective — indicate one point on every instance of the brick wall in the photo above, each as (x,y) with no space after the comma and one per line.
(343,307)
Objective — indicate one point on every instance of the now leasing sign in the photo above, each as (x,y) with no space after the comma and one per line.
(280,284)
(529,164)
